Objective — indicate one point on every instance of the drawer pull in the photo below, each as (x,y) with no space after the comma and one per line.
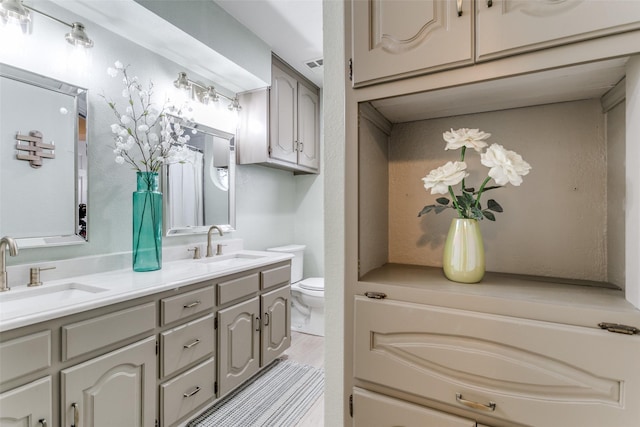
(191,344)
(43,422)
(459,7)
(475,405)
(191,305)
(192,392)
(266,319)
(375,295)
(76,415)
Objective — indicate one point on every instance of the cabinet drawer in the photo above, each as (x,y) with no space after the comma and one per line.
(24,355)
(183,305)
(516,370)
(238,288)
(276,276)
(186,344)
(83,337)
(187,392)
(376,410)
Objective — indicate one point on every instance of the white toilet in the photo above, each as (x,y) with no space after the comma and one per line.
(307,295)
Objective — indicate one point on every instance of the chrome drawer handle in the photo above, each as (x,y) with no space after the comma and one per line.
(192,392)
(195,342)
(459,7)
(43,422)
(76,415)
(475,405)
(191,305)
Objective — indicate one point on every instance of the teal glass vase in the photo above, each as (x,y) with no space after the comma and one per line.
(147,223)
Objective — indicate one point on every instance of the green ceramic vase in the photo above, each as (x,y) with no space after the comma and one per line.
(463,257)
(147,223)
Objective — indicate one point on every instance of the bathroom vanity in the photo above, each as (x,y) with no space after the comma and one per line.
(150,349)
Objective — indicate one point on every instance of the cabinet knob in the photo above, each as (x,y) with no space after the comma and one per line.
(43,422)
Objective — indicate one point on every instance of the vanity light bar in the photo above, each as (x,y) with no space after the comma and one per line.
(204,94)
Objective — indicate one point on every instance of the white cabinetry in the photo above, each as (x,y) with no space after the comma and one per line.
(117,389)
(280,126)
(28,405)
(511,27)
(394,39)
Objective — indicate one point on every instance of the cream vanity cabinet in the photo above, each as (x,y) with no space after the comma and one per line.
(28,405)
(280,126)
(255,325)
(513,370)
(394,40)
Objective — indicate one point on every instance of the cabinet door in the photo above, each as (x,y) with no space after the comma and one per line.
(117,389)
(284,108)
(518,370)
(308,127)
(276,318)
(27,406)
(397,39)
(238,343)
(376,410)
(510,27)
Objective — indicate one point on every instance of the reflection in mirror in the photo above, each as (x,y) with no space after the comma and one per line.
(200,192)
(43,159)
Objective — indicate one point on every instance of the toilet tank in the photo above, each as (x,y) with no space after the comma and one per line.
(296,262)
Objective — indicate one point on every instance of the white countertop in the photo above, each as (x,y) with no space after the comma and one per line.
(120,285)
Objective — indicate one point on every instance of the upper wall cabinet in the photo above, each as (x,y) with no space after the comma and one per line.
(393,39)
(509,27)
(280,126)
(397,39)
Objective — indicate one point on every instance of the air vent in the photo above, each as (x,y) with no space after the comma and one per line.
(314,64)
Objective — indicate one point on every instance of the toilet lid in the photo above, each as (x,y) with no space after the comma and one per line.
(312,284)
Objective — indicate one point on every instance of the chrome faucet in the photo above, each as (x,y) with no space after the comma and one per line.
(6,242)
(209,249)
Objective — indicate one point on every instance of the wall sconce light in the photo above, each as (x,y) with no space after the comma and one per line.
(205,95)
(182,82)
(14,12)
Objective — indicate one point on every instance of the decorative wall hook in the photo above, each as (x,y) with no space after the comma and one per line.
(34,148)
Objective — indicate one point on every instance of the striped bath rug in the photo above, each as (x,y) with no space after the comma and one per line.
(278,396)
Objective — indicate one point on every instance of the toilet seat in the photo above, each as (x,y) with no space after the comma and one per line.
(312,284)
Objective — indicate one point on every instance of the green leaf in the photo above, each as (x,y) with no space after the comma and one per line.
(442,200)
(494,206)
(476,213)
(469,190)
(426,210)
(441,208)
(489,215)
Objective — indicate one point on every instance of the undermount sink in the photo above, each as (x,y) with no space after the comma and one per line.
(230,259)
(52,295)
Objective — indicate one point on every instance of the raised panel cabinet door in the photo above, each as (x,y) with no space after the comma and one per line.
(376,410)
(308,127)
(117,389)
(27,406)
(520,371)
(283,121)
(276,319)
(510,27)
(393,39)
(238,344)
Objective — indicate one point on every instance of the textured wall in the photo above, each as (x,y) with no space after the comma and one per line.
(553,224)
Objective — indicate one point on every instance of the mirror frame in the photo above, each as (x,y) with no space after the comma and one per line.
(80,96)
(201,229)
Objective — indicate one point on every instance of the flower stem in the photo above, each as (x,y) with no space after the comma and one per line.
(455,202)
(481,190)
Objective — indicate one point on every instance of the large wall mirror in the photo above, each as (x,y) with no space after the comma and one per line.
(43,159)
(200,192)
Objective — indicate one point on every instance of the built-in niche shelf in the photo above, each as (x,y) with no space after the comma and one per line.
(567,220)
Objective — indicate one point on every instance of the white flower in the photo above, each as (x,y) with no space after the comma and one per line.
(129,110)
(440,179)
(119,160)
(470,138)
(125,93)
(116,128)
(112,71)
(143,128)
(125,120)
(119,65)
(153,137)
(506,166)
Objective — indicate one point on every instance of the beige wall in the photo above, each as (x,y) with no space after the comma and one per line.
(616,195)
(554,224)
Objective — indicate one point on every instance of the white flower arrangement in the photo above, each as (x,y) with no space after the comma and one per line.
(144,136)
(505,167)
